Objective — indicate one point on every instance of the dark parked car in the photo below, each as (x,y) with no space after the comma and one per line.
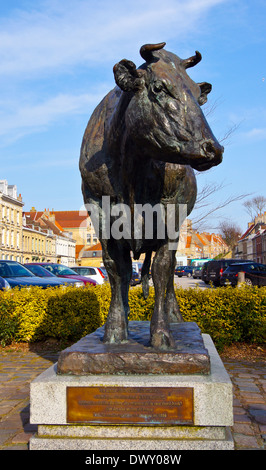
(4,284)
(255,274)
(214,269)
(184,271)
(55,280)
(18,275)
(204,273)
(64,271)
(135,279)
(196,273)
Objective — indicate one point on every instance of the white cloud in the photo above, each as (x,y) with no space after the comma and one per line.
(54,38)
(29,118)
(256,133)
(62,34)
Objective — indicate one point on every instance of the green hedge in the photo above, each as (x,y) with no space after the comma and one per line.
(228,314)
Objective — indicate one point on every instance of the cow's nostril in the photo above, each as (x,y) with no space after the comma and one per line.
(209,149)
(213,150)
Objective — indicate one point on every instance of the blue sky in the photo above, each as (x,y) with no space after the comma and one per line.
(56,61)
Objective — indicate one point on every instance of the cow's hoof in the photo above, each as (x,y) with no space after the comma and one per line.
(115,335)
(173,311)
(162,340)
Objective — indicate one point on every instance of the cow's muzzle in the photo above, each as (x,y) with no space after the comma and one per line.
(211,155)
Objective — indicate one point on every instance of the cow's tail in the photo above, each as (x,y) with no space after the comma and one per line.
(145,271)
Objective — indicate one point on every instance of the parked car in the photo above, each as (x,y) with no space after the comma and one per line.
(18,275)
(91,272)
(255,274)
(184,271)
(4,284)
(103,269)
(56,280)
(137,267)
(196,273)
(214,269)
(64,271)
(135,278)
(204,273)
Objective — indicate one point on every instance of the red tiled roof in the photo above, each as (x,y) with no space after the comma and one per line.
(200,239)
(188,241)
(97,247)
(247,232)
(78,249)
(70,219)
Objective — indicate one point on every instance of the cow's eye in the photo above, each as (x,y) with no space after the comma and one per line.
(157,86)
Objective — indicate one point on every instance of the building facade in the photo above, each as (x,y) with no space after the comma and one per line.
(252,244)
(195,245)
(38,245)
(58,247)
(11,236)
(77,224)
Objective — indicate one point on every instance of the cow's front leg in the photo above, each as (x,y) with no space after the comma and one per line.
(160,329)
(119,268)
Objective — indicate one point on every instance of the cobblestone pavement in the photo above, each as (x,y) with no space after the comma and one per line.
(19,368)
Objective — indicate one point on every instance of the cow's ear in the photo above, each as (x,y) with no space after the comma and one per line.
(205,88)
(127,77)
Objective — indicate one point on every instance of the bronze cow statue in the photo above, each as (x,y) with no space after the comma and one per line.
(140,147)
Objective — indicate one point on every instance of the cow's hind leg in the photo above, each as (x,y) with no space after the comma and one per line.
(161,270)
(171,305)
(119,268)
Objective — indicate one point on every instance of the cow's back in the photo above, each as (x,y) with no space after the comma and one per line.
(94,161)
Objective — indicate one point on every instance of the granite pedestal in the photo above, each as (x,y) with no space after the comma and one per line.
(131,424)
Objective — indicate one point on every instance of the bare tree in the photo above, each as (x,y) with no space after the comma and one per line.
(205,207)
(255,206)
(230,232)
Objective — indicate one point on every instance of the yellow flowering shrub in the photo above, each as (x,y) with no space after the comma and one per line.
(227,314)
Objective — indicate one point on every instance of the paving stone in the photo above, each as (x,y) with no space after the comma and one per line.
(241,428)
(241,440)
(241,418)
(238,410)
(21,438)
(258,415)
(262,428)
(248,388)
(5,435)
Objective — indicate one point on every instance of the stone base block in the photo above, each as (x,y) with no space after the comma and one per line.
(121,439)
(91,355)
(212,411)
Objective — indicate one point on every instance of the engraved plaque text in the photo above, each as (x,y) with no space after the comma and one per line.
(130,405)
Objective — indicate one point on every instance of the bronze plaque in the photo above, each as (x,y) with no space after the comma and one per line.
(130,405)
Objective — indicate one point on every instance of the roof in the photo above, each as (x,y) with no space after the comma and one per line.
(247,232)
(63,219)
(188,241)
(97,247)
(70,219)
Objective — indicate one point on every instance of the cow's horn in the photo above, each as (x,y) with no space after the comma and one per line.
(194,60)
(147,49)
